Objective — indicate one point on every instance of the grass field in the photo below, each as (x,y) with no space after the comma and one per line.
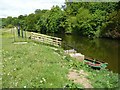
(31,65)
(35,65)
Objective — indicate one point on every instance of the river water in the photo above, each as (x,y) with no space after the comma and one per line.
(101,48)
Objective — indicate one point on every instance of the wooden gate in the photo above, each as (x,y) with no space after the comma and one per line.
(46,39)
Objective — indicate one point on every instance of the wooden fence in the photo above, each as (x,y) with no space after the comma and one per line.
(46,39)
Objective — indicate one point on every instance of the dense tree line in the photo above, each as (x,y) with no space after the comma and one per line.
(91,19)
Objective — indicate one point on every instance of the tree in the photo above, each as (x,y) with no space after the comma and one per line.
(112,27)
(92,19)
(53,19)
(30,22)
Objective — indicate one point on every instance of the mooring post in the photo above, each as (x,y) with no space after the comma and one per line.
(18,29)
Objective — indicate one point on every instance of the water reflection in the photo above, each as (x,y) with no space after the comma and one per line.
(101,49)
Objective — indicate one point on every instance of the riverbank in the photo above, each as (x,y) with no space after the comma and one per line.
(102,49)
(35,65)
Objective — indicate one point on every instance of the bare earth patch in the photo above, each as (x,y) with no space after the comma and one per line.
(79,77)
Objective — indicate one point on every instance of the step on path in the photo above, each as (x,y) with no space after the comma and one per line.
(73,53)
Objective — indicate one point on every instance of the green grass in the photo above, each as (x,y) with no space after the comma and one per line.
(27,65)
(99,78)
(31,65)
(36,65)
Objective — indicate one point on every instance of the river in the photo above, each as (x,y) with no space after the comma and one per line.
(100,48)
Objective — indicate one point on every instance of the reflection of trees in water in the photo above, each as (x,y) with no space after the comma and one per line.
(101,49)
(96,45)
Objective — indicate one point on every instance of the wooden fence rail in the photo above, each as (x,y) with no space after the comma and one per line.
(46,39)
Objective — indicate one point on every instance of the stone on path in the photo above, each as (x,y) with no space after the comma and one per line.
(70,51)
(78,56)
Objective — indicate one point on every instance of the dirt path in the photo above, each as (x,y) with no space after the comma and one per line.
(79,77)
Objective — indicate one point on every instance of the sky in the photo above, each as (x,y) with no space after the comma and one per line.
(15,8)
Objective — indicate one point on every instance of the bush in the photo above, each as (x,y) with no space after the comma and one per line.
(10,26)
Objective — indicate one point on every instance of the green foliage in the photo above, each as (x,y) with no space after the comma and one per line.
(41,24)
(108,7)
(91,19)
(7,21)
(111,28)
(73,85)
(83,19)
(10,26)
(104,78)
(30,22)
(53,19)
(15,21)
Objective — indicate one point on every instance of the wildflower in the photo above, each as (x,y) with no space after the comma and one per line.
(8,74)
(44,79)
(16,83)
(14,69)
(24,86)
(41,81)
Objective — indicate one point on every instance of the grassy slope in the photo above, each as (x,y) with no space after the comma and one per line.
(31,65)
(38,65)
